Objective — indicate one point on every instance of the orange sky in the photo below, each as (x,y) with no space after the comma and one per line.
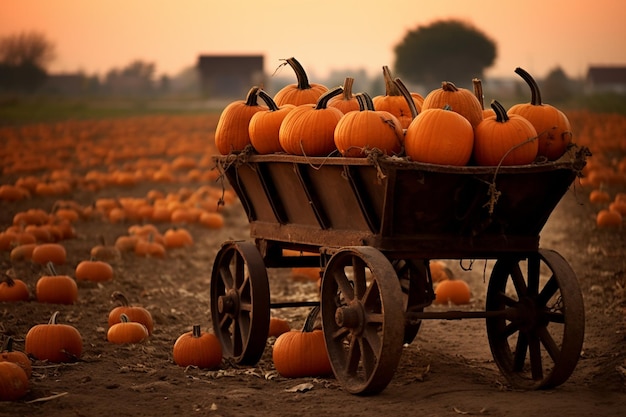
(94,36)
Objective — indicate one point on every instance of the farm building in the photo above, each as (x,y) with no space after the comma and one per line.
(230,76)
(604,79)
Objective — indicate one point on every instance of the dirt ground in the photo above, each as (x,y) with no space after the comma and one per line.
(448,370)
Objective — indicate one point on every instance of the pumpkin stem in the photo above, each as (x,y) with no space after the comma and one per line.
(271,104)
(8,345)
(501,115)
(251,98)
(124,318)
(196,330)
(407,96)
(51,269)
(303,80)
(478,92)
(7,278)
(347,88)
(121,298)
(535,98)
(322,102)
(391,88)
(53,318)
(365,102)
(449,86)
(309,323)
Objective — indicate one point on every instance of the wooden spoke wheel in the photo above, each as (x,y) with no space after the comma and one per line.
(362,318)
(536,343)
(240,302)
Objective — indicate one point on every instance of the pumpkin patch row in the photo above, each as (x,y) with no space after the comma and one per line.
(449,126)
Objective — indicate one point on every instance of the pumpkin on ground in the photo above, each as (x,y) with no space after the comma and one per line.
(197,348)
(552,125)
(15,356)
(54,342)
(134,313)
(13,382)
(13,289)
(93,270)
(278,326)
(56,289)
(609,219)
(49,252)
(126,331)
(231,132)
(302,353)
(309,129)
(303,92)
(505,139)
(455,291)
(358,132)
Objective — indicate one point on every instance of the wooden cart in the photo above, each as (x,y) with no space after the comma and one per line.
(372,226)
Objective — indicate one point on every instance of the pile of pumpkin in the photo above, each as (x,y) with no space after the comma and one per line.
(449,126)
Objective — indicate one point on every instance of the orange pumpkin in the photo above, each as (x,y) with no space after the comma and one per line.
(13,382)
(56,289)
(309,129)
(460,100)
(264,125)
(54,342)
(134,313)
(455,291)
(93,270)
(278,326)
(127,331)
(49,252)
(609,219)
(231,132)
(367,129)
(394,102)
(13,289)
(17,357)
(505,139)
(552,126)
(197,348)
(177,237)
(345,102)
(303,92)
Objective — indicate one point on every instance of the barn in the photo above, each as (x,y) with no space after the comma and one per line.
(230,76)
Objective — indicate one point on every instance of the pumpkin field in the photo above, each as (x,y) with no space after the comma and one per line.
(129,214)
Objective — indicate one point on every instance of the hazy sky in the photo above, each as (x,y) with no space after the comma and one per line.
(94,36)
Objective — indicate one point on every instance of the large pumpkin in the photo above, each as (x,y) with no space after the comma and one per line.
(368,129)
(303,92)
(552,125)
(197,348)
(504,139)
(460,100)
(231,132)
(309,129)
(54,342)
(394,102)
(265,125)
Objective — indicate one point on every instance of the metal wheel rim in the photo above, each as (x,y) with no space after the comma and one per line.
(362,319)
(538,344)
(240,302)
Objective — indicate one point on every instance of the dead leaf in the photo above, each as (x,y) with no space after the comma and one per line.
(307,386)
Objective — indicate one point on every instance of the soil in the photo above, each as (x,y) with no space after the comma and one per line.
(448,370)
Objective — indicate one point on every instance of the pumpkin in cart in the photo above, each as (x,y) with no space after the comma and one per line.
(460,100)
(304,92)
(231,132)
(395,102)
(265,125)
(346,102)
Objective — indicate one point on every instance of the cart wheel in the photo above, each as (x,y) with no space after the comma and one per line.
(414,282)
(240,302)
(362,318)
(537,342)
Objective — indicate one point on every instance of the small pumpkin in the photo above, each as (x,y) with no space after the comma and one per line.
(608,219)
(13,289)
(127,331)
(265,125)
(54,342)
(460,100)
(309,129)
(134,313)
(303,92)
(231,132)
(346,102)
(278,326)
(552,125)
(105,252)
(177,237)
(455,291)
(93,270)
(15,356)
(23,252)
(13,382)
(56,289)
(504,139)
(197,348)
(149,247)
(49,252)
(439,271)
(302,353)
(395,102)
(367,129)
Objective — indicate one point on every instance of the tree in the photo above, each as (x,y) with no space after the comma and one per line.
(24,58)
(135,79)
(446,50)
(556,87)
